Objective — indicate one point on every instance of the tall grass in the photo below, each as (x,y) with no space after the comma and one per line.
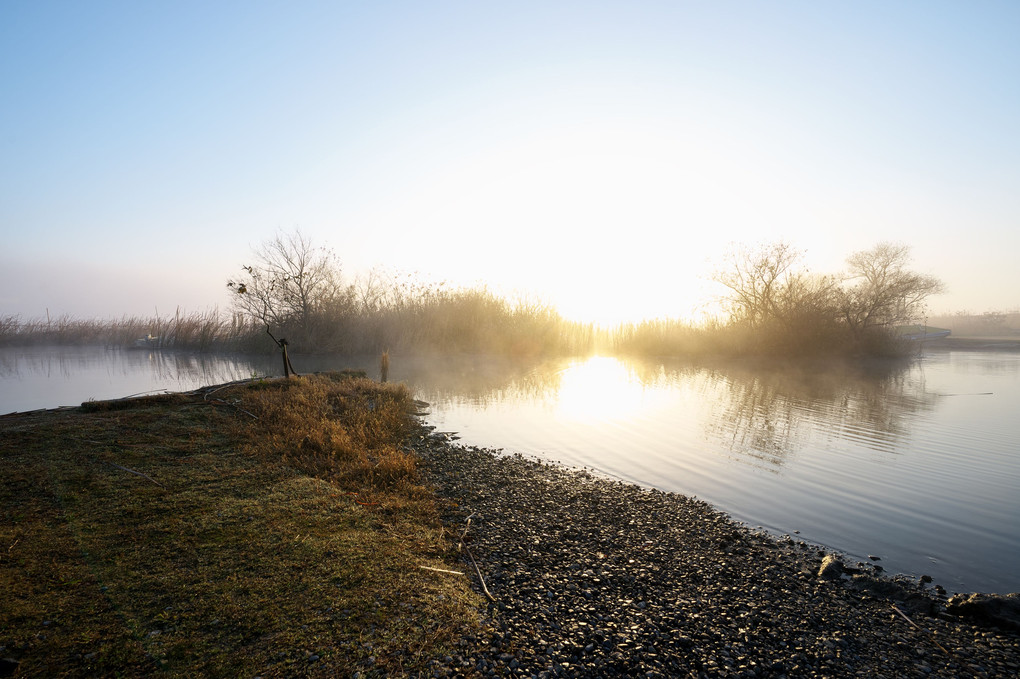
(431,321)
(205,331)
(460,321)
(348,430)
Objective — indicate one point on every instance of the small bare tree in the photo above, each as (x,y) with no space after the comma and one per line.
(290,281)
(880,291)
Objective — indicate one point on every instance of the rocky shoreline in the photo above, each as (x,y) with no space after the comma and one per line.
(590,577)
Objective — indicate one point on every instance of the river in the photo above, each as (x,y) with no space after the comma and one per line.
(916,463)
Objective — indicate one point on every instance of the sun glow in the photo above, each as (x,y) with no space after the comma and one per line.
(609,223)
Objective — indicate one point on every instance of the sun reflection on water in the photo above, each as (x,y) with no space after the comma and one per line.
(600,389)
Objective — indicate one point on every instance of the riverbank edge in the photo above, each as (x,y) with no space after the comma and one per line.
(670,563)
(990,343)
(587,576)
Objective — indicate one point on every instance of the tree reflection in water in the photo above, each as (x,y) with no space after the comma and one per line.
(770,412)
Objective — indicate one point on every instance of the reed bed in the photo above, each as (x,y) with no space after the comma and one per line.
(203,331)
(458,321)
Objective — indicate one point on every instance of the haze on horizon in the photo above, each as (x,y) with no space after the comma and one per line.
(598,156)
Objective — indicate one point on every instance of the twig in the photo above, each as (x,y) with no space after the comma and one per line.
(472,557)
(478,570)
(916,626)
(213,390)
(205,397)
(141,393)
(441,570)
(219,401)
(115,443)
(467,525)
(144,476)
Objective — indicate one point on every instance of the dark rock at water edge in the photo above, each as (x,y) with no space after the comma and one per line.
(999,610)
(832,568)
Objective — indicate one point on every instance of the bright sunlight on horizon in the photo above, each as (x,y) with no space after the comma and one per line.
(598,157)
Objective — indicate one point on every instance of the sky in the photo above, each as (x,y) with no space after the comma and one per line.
(598,156)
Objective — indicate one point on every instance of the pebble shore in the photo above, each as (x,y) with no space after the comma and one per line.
(591,577)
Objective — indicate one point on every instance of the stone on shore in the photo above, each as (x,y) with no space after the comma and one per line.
(591,577)
(832,568)
(993,609)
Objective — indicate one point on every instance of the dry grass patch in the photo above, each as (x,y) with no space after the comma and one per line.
(191,538)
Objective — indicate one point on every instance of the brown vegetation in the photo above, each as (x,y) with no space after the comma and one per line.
(205,331)
(778,309)
(179,534)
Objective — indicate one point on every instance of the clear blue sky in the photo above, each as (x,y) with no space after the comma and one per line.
(599,155)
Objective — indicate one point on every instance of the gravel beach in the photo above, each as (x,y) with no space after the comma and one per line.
(591,577)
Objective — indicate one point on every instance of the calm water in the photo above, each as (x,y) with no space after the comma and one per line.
(916,464)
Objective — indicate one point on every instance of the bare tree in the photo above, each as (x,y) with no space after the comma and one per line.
(290,281)
(880,291)
(760,282)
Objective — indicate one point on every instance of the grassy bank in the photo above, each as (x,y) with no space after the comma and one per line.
(271,528)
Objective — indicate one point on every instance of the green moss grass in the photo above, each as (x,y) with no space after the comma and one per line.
(182,535)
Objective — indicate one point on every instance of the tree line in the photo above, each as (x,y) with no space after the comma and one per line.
(775,306)
(772,306)
(294,291)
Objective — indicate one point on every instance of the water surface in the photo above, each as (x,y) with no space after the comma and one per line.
(915,464)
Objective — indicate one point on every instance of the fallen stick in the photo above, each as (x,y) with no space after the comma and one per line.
(132,471)
(916,626)
(472,557)
(213,390)
(441,570)
(478,570)
(219,401)
(467,525)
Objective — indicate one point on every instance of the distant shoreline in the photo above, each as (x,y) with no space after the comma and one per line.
(976,343)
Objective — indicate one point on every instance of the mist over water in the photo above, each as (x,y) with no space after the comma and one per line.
(912,462)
